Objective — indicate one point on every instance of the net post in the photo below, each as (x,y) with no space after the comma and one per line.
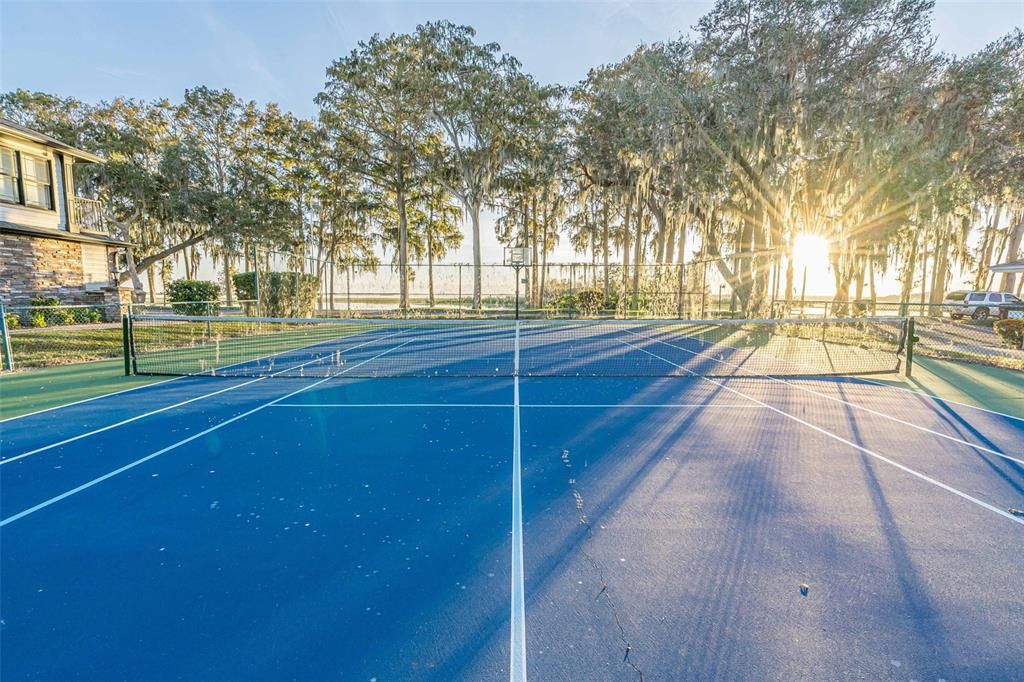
(126,344)
(5,339)
(911,338)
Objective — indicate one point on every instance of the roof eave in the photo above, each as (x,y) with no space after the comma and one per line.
(15,130)
(1011,266)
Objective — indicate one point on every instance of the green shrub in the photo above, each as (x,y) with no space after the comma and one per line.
(53,312)
(566,303)
(282,294)
(1011,331)
(193,296)
(13,321)
(590,301)
(37,318)
(94,315)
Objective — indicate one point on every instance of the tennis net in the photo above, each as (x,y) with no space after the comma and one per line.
(251,346)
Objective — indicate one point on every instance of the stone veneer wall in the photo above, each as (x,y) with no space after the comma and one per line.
(33,266)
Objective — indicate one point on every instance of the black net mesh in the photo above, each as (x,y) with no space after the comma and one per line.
(245,346)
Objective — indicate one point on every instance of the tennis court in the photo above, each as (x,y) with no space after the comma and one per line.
(492,499)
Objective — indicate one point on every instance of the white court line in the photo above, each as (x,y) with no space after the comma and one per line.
(864,408)
(835,436)
(702,406)
(132,465)
(604,406)
(171,407)
(342,405)
(517,651)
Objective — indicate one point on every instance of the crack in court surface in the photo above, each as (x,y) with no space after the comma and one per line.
(605,592)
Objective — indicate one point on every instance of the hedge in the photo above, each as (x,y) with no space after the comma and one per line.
(1011,331)
(193,296)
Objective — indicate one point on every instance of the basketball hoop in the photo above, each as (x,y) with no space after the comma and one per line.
(517,257)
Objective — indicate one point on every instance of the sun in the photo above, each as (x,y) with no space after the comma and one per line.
(810,259)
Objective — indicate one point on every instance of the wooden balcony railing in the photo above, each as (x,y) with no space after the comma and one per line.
(89,215)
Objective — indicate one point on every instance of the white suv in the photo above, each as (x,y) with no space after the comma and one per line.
(980,305)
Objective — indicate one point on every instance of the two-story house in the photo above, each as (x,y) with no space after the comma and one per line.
(52,242)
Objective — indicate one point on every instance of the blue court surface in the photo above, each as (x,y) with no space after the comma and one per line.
(511,527)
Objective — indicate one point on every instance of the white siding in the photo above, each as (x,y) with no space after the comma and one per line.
(24,215)
(95,269)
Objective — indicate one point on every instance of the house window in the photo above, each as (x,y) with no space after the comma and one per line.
(9,176)
(35,181)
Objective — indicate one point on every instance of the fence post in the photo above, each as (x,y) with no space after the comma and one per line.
(911,339)
(348,289)
(5,338)
(572,303)
(460,289)
(256,277)
(703,288)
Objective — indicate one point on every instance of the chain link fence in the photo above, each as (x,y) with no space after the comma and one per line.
(49,334)
(44,335)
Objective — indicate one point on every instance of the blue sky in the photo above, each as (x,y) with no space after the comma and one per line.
(278,51)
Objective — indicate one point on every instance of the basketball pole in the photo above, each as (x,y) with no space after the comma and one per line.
(517,268)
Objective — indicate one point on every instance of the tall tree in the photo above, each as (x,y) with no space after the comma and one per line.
(475,94)
(373,111)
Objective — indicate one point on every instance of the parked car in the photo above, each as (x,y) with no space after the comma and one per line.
(979,305)
(953,302)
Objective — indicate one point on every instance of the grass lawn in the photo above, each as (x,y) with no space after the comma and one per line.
(64,345)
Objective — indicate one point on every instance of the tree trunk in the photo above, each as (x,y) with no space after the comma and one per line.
(985,257)
(149,261)
(430,266)
(789,276)
(330,285)
(907,285)
(670,245)
(1010,278)
(474,213)
(534,265)
(681,271)
(227,278)
(638,253)
(625,248)
(924,269)
(859,284)
(604,248)
(940,269)
(872,292)
(524,241)
(840,304)
(403,251)
(659,220)
(544,256)
(133,272)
